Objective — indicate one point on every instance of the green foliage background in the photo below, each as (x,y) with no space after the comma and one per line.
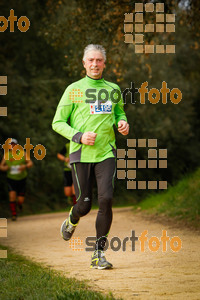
(41,62)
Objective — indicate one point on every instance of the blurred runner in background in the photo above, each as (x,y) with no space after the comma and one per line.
(69,192)
(16,178)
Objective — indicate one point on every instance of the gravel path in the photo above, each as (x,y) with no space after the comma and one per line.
(136,274)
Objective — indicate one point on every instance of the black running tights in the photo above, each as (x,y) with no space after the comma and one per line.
(83,177)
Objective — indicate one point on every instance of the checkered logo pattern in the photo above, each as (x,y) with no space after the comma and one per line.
(74,242)
(3,92)
(163,23)
(76,96)
(127,163)
(3,234)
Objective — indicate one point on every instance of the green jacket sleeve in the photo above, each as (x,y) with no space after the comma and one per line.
(119,111)
(63,112)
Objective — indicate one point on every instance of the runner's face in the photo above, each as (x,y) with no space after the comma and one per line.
(94,64)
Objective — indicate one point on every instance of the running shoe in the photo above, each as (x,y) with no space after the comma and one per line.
(99,261)
(67,229)
(14,218)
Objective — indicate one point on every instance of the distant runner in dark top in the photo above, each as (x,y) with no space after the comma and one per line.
(63,155)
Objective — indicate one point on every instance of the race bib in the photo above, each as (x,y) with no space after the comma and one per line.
(101,108)
(15,170)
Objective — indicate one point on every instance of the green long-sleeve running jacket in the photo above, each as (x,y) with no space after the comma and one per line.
(82,109)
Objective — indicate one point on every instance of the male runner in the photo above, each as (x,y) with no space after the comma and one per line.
(63,155)
(16,178)
(92,146)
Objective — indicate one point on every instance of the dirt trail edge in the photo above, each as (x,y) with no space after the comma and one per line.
(136,274)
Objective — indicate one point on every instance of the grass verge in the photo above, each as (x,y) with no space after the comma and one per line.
(181,201)
(22,279)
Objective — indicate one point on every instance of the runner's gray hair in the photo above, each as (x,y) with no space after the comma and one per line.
(96,48)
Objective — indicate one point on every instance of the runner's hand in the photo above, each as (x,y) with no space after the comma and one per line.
(88,138)
(22,167)
(4,168)
(123,127)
